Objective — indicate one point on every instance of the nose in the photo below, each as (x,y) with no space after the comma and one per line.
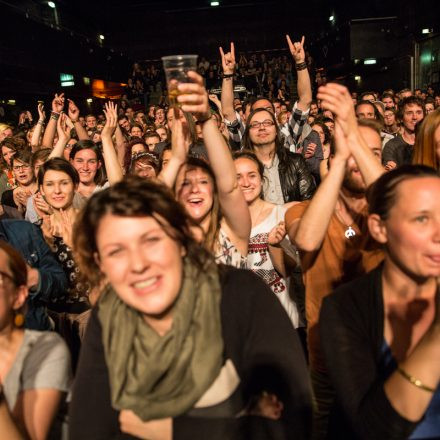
(57,188)
(139,261)
(195,187)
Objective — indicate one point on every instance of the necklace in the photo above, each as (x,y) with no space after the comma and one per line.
(349,232)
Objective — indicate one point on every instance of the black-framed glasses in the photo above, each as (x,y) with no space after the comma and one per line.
(21,167)
(265,123)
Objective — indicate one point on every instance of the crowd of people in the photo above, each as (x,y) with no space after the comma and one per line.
(223,268)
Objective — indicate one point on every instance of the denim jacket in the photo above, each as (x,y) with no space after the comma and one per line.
(28,240)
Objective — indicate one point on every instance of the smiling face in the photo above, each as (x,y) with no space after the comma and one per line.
(87,164)
(262,130)
(162,132)
(58,189)
(142,263)
(136,132)
(412,114)
(7,154)
(194,189)
(413,228)
(249,179)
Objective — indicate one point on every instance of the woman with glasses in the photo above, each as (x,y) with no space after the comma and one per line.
(34,365)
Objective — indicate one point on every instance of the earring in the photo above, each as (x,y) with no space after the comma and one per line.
(19,319)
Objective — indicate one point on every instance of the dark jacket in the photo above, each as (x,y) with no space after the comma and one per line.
(398,151)
(296,181)
(27,239)
(352,335)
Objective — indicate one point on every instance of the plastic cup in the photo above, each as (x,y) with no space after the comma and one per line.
(176,71)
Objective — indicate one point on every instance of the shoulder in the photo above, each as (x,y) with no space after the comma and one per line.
(356,299)
(47,362)
(296,211)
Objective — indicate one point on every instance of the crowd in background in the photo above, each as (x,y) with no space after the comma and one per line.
(259,265)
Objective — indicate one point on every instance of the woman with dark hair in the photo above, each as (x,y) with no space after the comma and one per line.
(87,158)
(427,146)
(381,332)
(134,147)
(34,365)
(268,235)
(209,193)
(201,345)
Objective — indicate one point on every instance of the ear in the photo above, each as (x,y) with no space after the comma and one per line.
(97,260)
(377,228)
(20,298)
(41,190)
(183,251)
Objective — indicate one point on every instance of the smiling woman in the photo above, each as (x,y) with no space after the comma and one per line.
(201,344)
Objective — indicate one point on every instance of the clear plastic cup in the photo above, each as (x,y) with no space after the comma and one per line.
(176,71)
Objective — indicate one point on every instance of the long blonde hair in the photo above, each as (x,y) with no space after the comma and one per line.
(425,149)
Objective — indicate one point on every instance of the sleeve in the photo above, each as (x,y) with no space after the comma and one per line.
(296,121)
(236,131)
(295,212)
(306,182)
(353,372)
(47,365)
(389,152)
(91,416)
(52,280)
(314,161)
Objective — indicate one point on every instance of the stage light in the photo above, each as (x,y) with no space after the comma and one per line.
(101,37)
(331,18)
(370,61)
(89,100)
(51,5)
(215,3)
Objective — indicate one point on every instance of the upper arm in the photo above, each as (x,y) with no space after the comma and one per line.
(36,409)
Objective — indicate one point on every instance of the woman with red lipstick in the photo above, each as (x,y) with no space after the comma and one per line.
(381,332)
(178,347)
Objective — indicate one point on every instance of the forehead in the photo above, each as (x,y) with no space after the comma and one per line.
(372,138)
(365,108)
(244,163)
(55,174)
(90,117)
(262,116)
(412,108)
(419,192)
(85,154)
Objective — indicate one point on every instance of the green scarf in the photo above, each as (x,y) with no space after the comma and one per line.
(164,376)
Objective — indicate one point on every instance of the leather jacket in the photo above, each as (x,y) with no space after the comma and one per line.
(297,183)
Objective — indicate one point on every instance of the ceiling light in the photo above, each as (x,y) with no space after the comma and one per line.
(357,78)
(51,5)
(215,3)
(370,61)
(331,18)
(101,37)
(89,100)
(426,31)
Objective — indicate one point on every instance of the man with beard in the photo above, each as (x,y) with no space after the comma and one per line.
(330,230)
(399,150)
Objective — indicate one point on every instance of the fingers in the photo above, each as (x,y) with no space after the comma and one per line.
(289,42)
(222,54)
(232,50)
(302,41)
(195,78)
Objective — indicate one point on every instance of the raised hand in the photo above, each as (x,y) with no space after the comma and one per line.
(276,234)
(42,208)
(63,128)
(41,112)
(310,152)
(337,99)
(73,111)
(180,138)
(194,98)
(297,49)
(228,60)
(111,115)
(66,227)
(29,115)
(58,103)
(342,148)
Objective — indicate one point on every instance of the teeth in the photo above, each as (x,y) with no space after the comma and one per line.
(146,283)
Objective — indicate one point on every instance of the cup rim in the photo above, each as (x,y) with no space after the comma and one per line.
(178,57)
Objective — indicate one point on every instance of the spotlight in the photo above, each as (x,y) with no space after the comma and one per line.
(331,18)
(101,37)
(370,61)
(51,5)
(215,3)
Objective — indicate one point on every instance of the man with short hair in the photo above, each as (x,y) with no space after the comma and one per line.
(90,122)
(365,110)
(388,101)
(399,151)
(330,230)
(124,124)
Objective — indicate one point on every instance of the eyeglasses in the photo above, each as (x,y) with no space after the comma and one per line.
(3,276)
(266,123)
(20,167)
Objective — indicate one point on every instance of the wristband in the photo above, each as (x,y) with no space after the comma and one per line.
(54,115)
(202,121)
(40,122)
(228,75)
(416,382)
(301,66)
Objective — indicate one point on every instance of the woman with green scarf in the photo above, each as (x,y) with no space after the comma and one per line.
(178,347)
